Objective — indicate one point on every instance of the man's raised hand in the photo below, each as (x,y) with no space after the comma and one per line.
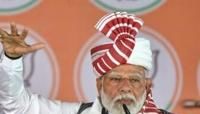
(14,44)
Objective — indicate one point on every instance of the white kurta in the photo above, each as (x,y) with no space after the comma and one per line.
(16,99)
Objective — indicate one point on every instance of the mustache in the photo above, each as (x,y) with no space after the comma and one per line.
(124,96)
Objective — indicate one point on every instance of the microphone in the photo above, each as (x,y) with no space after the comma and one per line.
(126,109)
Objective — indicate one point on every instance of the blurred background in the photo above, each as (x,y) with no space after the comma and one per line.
(63,69)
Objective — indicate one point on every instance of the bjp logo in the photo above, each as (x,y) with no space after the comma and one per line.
(166,73)
(8,7)
(41,71)
(134,6)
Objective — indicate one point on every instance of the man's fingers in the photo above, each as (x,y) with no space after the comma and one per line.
(35,47)
(20,50)
(1,38)
(24,34)
(3,33)
(13,29)
(24,50)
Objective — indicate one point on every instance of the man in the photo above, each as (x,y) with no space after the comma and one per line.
(121,64)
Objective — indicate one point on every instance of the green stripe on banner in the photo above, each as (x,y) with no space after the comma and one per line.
(18,8)
(128,10)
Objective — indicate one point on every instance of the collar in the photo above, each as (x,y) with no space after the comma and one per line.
(96,107)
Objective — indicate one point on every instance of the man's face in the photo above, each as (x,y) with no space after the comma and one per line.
(124,84)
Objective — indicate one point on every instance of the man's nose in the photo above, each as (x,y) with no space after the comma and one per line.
(125,86)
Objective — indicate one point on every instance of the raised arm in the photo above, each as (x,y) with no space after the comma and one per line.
(14,97)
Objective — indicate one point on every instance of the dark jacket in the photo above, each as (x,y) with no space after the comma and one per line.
(87,105)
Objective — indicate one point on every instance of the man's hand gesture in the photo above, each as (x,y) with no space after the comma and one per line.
(14,44)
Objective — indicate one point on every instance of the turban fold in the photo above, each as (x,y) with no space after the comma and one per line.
(123,48)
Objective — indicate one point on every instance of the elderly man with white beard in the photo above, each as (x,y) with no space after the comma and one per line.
(121,64)
(116,96)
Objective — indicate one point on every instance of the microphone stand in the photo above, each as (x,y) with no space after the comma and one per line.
(126,109)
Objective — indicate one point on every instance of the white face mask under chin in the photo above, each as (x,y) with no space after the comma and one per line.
(116,108)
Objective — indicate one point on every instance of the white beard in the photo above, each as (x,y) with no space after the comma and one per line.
(116,108)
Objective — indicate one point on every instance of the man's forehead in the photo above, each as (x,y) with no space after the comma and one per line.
(128,69)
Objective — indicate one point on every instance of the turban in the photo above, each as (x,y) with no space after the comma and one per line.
(122,46)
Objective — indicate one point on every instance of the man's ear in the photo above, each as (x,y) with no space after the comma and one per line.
(149,84)
(99,84)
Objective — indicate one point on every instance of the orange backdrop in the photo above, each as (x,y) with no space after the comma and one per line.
(66,25)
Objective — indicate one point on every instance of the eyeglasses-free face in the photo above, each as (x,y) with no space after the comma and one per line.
(124,79)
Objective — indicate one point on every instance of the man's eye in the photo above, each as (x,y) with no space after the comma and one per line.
(115,79)
(134,80)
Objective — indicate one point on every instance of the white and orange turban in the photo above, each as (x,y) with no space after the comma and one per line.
(123,48)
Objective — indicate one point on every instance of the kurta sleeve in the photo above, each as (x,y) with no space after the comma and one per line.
(16,99)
